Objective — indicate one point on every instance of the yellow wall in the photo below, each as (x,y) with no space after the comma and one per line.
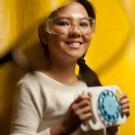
(111,54)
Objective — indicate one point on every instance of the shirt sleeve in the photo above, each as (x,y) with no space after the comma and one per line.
(26,114)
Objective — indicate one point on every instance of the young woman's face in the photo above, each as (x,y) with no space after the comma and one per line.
(70,33)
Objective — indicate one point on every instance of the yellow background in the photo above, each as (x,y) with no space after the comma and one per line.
(111,54)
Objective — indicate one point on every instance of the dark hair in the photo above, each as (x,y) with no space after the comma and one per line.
(86,74)
(88,7)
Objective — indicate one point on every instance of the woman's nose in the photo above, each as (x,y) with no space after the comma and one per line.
(74,31)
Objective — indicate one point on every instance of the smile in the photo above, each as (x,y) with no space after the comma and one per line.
(74,44)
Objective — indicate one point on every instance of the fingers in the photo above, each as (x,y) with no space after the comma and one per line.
(84,117)
(82,107)
(81,97)
(81,102)
(125,106)
(124,98)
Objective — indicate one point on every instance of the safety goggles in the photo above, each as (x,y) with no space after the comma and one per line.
(65,25)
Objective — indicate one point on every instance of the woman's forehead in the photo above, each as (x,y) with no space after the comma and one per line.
(73,9)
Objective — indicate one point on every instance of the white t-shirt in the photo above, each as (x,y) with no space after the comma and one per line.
(41,102)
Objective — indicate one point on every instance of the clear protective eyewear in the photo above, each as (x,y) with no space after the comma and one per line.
(65,25)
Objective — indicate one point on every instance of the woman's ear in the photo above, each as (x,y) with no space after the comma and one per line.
(42,34)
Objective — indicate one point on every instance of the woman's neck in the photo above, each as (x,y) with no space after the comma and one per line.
(64,73)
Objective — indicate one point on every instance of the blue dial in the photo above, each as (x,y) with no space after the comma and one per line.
(109,107)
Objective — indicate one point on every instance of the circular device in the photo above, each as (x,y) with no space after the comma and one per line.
(109,108)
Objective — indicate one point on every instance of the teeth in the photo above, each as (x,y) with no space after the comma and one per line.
(75,44)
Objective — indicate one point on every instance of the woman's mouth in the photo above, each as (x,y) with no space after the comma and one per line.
(74,44)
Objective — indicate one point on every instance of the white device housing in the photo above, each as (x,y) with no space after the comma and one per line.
(99,121)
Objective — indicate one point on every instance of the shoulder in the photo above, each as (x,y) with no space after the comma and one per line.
(29,90)
(29,98)
(29,84)
(28,79)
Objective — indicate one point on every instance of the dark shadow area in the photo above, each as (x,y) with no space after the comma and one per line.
(8,92)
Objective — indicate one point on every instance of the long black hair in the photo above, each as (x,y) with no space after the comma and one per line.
(86,74)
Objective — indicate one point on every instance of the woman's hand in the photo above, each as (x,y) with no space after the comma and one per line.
(124,102)
(125,107)
(79,112)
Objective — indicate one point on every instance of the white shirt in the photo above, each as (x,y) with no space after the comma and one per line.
(42,102)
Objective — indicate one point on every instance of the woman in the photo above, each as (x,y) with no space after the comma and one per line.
(45,103)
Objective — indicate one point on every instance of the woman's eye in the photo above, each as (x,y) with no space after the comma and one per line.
(63,23)
(84,24)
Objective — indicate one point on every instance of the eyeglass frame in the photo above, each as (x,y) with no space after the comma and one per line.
(50,19)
